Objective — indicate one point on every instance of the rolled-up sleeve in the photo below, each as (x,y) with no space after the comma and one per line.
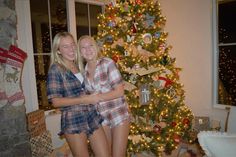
(54,83)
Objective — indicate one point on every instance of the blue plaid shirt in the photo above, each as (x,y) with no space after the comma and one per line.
(63,83)
(75,118)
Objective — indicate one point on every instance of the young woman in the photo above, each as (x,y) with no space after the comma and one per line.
(102,77)
(65,88)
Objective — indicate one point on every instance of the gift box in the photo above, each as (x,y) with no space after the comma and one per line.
(36,123)
(41,146)
(201,123)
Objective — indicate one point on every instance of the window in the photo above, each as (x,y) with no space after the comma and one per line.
(86,18)
(225,56)
(48,17)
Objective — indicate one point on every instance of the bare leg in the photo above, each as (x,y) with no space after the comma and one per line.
(120,135)
(99,143)
(107,131)
(78,144)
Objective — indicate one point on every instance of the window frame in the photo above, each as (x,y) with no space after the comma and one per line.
(25,42)
(90,2)
(216,45)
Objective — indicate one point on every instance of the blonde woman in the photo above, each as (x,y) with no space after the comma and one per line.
(102,77)
(66,90)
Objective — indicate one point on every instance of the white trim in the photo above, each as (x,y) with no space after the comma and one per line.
(216,45)
(24,42)
(96,2)
(49,21)
(215,54)
(89,21)
(71,19)
(227,44)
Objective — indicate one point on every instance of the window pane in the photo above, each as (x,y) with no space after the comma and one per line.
(39,15)
(41,68)
(45,41)
(227,24)
(43,30)
(94,11)
(58,16)
(82,24)
(227,75)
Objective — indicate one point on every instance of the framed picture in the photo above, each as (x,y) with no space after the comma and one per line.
(201,123)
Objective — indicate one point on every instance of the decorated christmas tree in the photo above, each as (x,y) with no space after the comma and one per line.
(132,34)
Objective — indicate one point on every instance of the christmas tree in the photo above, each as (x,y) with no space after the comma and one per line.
(132,34)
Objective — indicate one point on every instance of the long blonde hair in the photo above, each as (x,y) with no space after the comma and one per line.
(57,58)
(94,43)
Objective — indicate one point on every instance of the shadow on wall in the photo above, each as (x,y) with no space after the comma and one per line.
(53,124)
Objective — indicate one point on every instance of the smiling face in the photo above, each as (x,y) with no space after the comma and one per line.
(67,49)
(88,49)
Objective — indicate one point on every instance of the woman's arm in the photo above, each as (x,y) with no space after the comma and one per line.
(66,101)
(117,92)
(115,81)
(55,89)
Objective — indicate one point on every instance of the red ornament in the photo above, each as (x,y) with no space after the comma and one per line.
(138,2)
(115,58)
(186,121)
(157,129)
(139,15)
(134,28)
(111,17)
(168,82)
(176,138)
(110,5)
(173,124)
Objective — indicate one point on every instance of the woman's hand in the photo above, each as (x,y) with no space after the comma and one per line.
(85,99)
(92,98)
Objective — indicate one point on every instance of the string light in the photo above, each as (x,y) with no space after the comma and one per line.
(151,126)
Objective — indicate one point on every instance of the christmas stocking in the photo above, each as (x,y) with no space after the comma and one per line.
(13,72)
(3,97)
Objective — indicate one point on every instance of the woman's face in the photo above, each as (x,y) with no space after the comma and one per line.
(88,49)
(67,49)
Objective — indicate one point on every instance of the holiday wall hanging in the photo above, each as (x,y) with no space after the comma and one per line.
(12,62)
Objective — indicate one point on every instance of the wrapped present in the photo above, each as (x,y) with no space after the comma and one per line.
(41,146)
(201,123)
(36,123)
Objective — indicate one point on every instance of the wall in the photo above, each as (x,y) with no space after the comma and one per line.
(14,137)
(189,24)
